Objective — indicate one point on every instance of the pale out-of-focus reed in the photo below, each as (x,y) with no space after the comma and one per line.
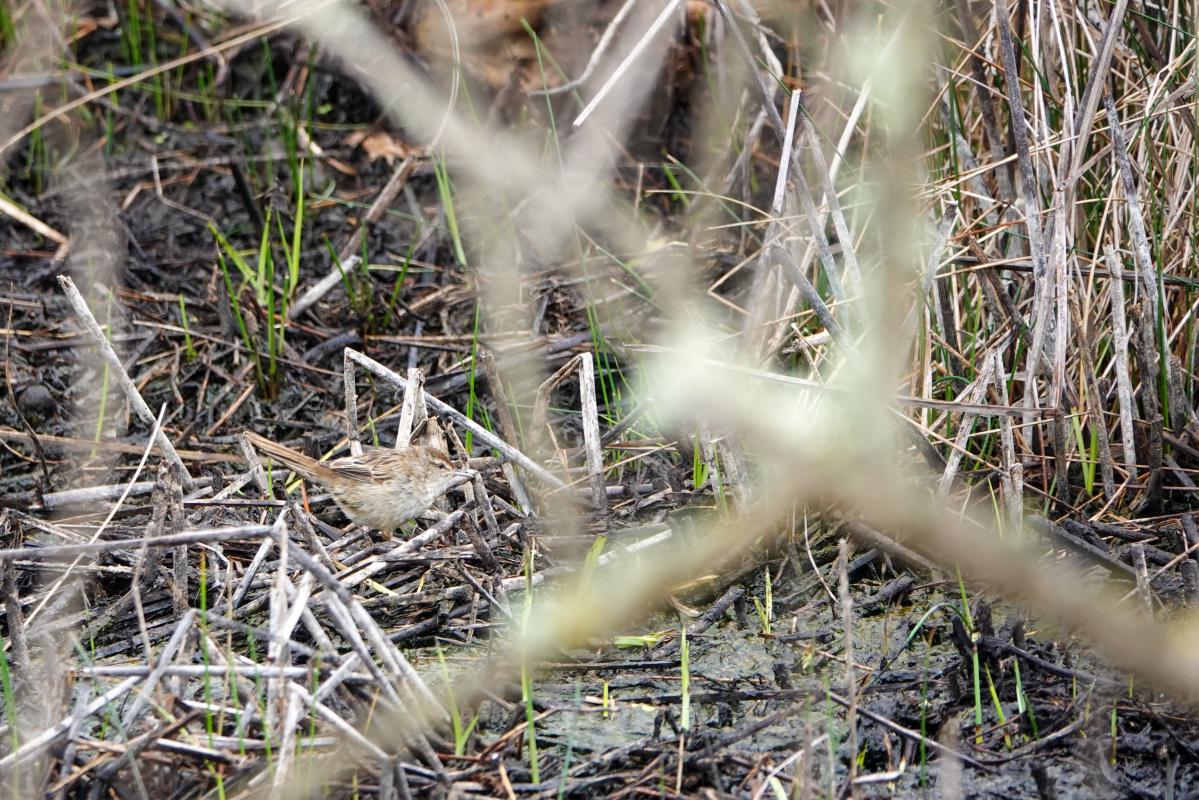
(841,446)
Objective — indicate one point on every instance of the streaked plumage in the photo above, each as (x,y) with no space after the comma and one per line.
(381,488)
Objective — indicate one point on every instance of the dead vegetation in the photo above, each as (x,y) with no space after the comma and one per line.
(828,371)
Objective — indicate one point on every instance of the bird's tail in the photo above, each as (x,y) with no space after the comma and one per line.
(294,460)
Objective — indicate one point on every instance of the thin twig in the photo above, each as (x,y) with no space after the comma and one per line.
(482,433)
(117,369)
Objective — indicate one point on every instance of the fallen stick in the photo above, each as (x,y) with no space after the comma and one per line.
(136,402)
(485,435)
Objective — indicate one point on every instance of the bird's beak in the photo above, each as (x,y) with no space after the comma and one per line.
(461,476)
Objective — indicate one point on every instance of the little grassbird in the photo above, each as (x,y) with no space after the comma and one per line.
(379,489)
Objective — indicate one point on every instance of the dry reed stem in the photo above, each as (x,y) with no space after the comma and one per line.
(810,470)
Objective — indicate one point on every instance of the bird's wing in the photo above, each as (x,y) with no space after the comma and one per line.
(373,466)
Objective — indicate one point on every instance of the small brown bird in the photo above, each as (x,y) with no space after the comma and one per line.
(380,488)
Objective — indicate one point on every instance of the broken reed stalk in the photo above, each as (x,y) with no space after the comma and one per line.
(986,102)
(1061,290)
(975,394)
(851,682)
(350,389)
(814,220)
(1141,250)
(1020,137)
(97,494)
(592,442)
(1096,80)
(117,370)
(1120,337)
(484,435)
(38,743)
(495,385)
(634,53)
(929,276)
(413,411)
(111,546)
(848,251)
(94,539)
(1032,207)
(1012,480)
(763,302)
(1146,354)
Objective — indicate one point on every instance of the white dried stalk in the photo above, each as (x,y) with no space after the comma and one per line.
(1061,331)
(814,220)
(655,26)
(250,670)
(975,395)
(47,737)
(256,474)
(597,53)
(247,690)
(368,569)
(592,442)
(1040,333)
(117,370)
(333,718)
(847,626)
(257,471)
(764,305)
(1096,80)
(339,676)
(413,410)
(484,500)
(1032,206)
(523,501)
(1142,571)
(935,254)
(142,698)
(264,549)
(831,172)
(478,430)
(276,648)
(591,430)
(984,97)
(94,494)
(780,182)
(1120,358)
(298,601)
(344,624)
(316,630)
(51,552)
(337,595)
(11,209)
(351,392)
(321,288)
(1012,476)
(1094,403)
(1142,255)
(848,253)
(287,747)
(348,259)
